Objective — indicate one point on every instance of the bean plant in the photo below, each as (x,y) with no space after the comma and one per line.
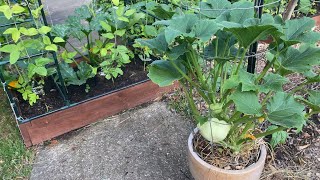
(22,42)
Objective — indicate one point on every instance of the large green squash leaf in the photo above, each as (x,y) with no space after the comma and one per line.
(238,13)
(230,83)
(181,25)
(273,82)
(283,110)
(85,71)
(159,43)
(71,77)
(60,30)
(205,29)
(214,4)
(247,80)
(177,51)
(300,60)
(279,137)
(190,25)
(225,41)
(300,30)
(251,34)
(83,12)
(241,11)
(163,11)
(164,73)
(314,97)
(246,102)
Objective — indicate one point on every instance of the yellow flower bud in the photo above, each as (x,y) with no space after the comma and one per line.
(261,119)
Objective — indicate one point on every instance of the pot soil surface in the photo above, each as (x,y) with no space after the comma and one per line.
(224,158)
(132,73)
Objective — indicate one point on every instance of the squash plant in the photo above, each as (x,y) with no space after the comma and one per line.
(207,53)
(27,76)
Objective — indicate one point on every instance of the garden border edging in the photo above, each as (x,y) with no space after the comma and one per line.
(58,123)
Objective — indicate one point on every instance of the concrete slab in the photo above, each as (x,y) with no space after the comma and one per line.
(59,10)
(148,143)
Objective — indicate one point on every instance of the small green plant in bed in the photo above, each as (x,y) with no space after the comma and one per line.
(103,34)
(207,55)
(22,42)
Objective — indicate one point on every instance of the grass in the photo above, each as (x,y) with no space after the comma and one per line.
(15,159)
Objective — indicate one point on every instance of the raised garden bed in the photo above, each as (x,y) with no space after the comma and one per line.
(49,117)
(51,92)
(89,111)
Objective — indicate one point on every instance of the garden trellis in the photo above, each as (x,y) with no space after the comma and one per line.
(29,56)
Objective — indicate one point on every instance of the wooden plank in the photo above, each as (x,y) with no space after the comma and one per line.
(317,20)
(25,134)
(58,123)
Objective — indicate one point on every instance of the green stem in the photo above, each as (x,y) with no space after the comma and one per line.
(19,72)
(183,74)
(89,50)
(265,69)
(225,95)
(217,44)
(269,132)
(215,79)
(299,87)
(225,47)
(75,49)
(248,126)
(241,60)
(191,82)
(268,96)
(225,106)
(244,120)
(221,80)
(72,58)
(197,67)
(313,112)
(190,99)
(235,116)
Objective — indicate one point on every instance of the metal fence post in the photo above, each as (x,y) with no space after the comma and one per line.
(254,47)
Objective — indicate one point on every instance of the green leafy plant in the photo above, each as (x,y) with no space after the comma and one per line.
(207,54)
(21,43)
(105,33)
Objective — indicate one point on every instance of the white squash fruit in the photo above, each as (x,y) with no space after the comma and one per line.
(214,130)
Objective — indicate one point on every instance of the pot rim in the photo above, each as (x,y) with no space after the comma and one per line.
(261,161)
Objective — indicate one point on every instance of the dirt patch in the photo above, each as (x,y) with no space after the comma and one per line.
(299,158)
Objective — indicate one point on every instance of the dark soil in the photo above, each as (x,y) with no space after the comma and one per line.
(49,101)
(132,73)
(223,158)
(52,100)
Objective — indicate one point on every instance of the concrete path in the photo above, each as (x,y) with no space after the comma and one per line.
(59,10)
(148,143)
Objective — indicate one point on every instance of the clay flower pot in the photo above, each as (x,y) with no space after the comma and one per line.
(201,170)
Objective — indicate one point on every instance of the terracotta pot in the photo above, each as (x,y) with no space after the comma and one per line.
(201,170)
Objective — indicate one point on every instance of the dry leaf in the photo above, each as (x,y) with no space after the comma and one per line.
(303,147)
